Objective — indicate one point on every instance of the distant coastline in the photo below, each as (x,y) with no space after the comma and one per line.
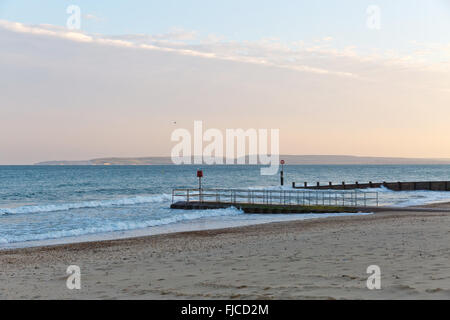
(290,159)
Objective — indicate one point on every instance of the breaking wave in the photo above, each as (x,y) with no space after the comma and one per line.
(114,226)
(86,204)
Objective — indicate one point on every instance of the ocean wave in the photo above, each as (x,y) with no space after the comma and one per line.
(418,198)
(86,204)
(408,198)
(117,226)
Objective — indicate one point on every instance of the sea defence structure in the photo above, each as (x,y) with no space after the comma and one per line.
(275,201)
(284,201)
(395,186)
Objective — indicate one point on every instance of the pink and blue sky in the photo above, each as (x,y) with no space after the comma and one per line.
(312,69)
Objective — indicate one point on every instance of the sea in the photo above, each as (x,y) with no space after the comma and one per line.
(46,205)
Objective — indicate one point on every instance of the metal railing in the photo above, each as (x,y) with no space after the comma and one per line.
(351,198)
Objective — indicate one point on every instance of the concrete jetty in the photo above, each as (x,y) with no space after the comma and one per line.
(290,209)
(274,201)
(283,201)
(263,209)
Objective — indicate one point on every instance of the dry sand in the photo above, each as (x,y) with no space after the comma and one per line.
(310,259)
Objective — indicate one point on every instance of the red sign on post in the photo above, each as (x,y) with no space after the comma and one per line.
(282,173)
(199,174)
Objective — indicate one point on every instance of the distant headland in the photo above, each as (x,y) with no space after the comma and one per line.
(290,159)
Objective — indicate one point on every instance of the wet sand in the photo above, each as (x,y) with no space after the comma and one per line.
(309,259)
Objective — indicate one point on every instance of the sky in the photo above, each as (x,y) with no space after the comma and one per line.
(334,76)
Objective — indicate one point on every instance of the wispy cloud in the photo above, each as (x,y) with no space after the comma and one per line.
(318,57)
(263,53)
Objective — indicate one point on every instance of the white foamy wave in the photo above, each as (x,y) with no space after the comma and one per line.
(381,189)
(418,198)
(410,198)
(86,204)
(271,188)
(115,226)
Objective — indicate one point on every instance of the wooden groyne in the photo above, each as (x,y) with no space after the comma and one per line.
(395,186)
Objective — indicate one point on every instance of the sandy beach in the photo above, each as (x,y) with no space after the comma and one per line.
(310,259)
